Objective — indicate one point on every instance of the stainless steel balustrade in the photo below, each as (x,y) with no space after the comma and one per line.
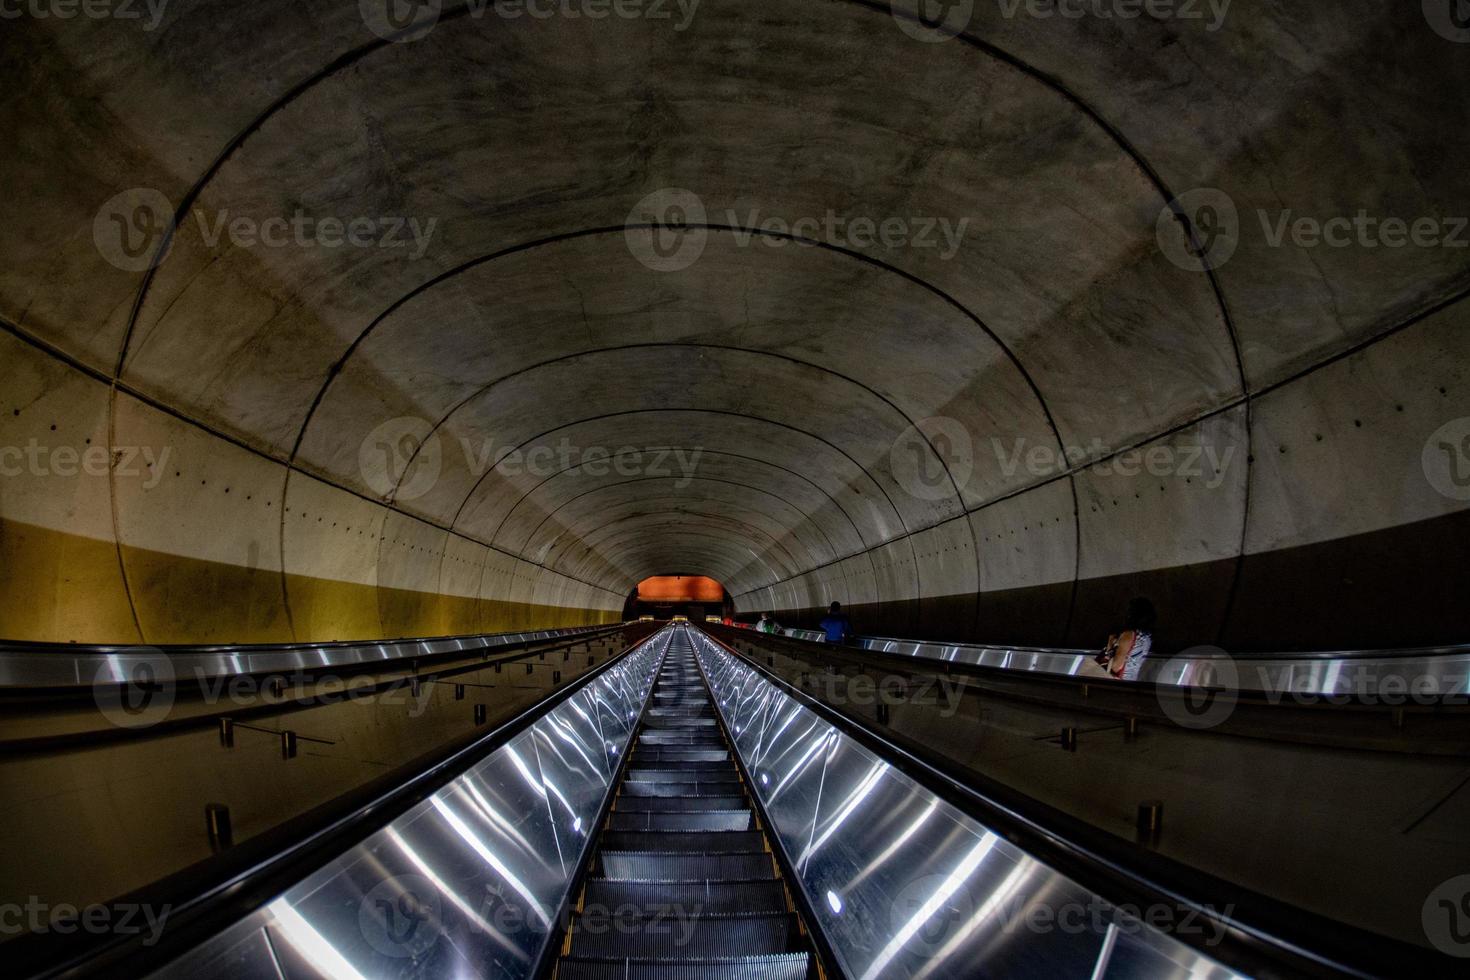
(1431,672)
(905,885)
(468,882)
(25,666)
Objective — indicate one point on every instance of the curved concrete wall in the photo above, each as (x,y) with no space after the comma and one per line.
(971,382)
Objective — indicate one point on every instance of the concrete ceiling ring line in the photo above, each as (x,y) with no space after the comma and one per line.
(909,422)
(773,460)
(751,521)
(717,546)
(744,526)
(805,518)
(908,540)
(669,516)
(617,527)
(692,410)
(484,492)
(620,231)
(827,511)
(352,56)
(653,415)
(672,345)
(744,461)
(869,390)
(786,524)
(712,428)
(646,560)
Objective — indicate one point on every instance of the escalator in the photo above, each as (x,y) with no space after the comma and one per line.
(682,813)
(683,883)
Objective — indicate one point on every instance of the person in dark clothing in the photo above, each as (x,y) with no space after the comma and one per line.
(836,624)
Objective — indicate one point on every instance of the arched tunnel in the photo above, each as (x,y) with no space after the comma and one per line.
(366,322)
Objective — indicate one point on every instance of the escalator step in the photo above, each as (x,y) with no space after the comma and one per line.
(666,737)
(700,841)
(680,722)
(709,820)
(660,866)
(690,898)
(678,804)
(684,772)
(653,755)
(690,788)
(639,764)
(788,966)
(696,937)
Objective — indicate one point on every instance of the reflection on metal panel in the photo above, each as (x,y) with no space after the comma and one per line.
(466,883)
(28,666)
(1435,672)
(905,885)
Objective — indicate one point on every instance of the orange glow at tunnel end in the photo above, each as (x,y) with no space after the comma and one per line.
(680,588)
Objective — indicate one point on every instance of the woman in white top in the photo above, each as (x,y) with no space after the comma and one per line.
(1131,647)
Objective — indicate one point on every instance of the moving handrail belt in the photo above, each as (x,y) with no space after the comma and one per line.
(53,666)
(1437,672)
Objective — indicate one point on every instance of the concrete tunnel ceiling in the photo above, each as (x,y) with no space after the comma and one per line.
(903,416)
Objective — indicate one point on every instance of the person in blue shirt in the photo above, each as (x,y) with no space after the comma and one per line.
(836,624)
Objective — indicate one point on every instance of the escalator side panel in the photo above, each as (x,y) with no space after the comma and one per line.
(459,884)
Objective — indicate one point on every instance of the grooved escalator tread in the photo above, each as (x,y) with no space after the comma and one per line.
(709,820)
(684,936)
(699,841)
(788,966)
(695,897)
(679,804)
(676,866)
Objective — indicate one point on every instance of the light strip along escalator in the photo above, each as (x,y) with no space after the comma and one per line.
(683,884)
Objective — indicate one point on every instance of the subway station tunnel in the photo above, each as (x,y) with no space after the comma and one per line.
(389,340)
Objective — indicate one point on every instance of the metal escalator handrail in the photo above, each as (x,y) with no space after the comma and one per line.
(1386,653)
(216,897)
(1311,674)
(1270,937)
(52,666)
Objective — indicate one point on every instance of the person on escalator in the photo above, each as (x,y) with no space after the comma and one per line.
(1125,653)
(767,624)
(836,624)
